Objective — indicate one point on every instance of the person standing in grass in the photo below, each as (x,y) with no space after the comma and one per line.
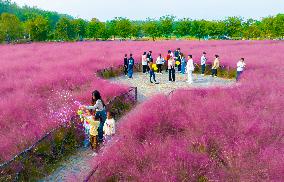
(183,64)
(130,66)
(144,62)
(125,65)
(240,67)
(216,65)
(171,68)
(190,69)
(152,72)
(203,61)
(159,63)
(99,106)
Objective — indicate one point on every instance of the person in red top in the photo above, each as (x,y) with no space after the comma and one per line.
(167,59)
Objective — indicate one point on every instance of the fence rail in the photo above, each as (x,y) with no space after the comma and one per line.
(10,170)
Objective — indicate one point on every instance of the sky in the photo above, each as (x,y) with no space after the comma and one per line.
(140,10)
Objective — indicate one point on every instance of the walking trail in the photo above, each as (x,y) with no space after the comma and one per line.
(76,167)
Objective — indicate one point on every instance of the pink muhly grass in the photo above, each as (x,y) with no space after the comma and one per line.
(211,134)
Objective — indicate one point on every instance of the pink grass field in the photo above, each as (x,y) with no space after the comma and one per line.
(41,81)
(217,134)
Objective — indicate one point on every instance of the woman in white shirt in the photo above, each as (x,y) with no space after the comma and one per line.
(100,108)
(159,63)
(144,62)
(240,67)
(190,69)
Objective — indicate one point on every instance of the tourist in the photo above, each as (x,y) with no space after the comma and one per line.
(109,127)
(152,72)
(171,68)
(99,107)
(125,65)
(144,62)
(130,66)
(240,67)
(84,117)
(215,66)
(203,63)
(183,64)
(190,69)
(149,57)
(94,128)
(159,63)
(169,55)
(177,58)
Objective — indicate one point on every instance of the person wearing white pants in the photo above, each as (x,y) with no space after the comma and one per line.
(190,69)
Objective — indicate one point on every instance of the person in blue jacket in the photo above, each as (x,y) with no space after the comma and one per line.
(130,66)
(183,64)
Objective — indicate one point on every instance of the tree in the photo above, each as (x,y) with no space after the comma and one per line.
(123,27)
(103,32)
(10,27)
(167,25)
(152,28)
(234,26)
(278,26)
(65,29)
(38,28)
(199,29)
(93,28)
(111,26)
(183,27)
(251,29)
(136,30)
(266,26)
(80,28)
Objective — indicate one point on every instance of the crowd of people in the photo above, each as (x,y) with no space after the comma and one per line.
(175,62)
(99,125)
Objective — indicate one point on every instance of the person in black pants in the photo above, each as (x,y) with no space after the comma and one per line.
(178,58)
(149,57)
(172,71)
(144,62)
(125,65)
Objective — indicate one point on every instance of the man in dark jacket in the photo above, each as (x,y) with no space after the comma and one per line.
(149,57)
(177,58)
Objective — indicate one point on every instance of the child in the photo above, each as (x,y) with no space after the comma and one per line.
(109,126)
(94,123)
(86,125)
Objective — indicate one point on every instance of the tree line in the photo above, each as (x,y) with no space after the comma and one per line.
(33,24)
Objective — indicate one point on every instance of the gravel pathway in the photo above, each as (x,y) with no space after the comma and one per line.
(145,88)
(76,167)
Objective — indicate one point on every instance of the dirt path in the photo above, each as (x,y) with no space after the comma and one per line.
(76,167)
